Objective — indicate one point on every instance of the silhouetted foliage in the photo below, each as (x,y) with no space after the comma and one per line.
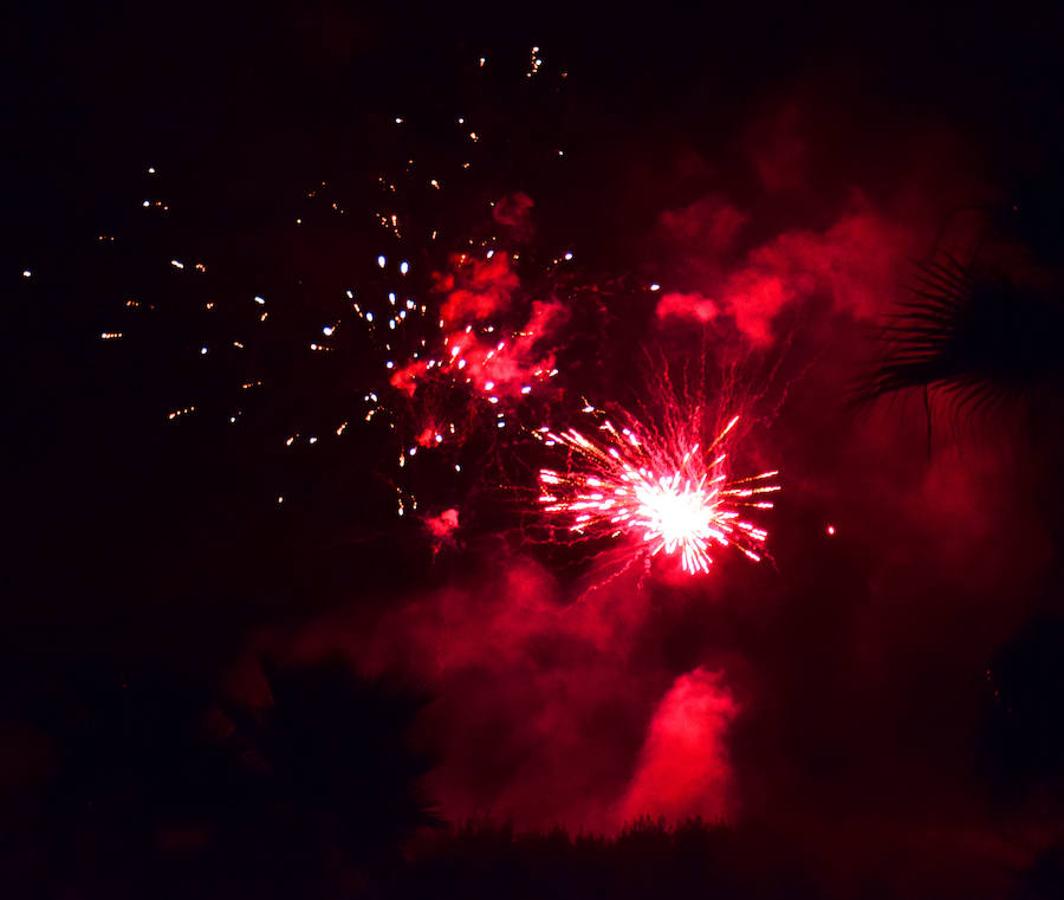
(647,859)
(977,337)
(1024,729)
(1045,879)
(155,791)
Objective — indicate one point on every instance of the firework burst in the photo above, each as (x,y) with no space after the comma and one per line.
(661,489)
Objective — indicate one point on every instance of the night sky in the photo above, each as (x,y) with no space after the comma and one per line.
(304,304)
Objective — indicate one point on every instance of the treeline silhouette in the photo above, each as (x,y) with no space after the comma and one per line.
(646,859)
(130,786)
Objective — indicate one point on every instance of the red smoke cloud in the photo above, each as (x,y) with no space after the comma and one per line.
(476,289)
(546,710)
(687,306)
(856,263)
(778,150)
(710,226)
(493,340)
(684,769)
(514,212)
(441,527)
(801,218)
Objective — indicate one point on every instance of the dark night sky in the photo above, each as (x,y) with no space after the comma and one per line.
(884,704)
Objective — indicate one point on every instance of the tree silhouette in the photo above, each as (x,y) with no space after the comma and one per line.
(974,336)
(983,333)
(155,789)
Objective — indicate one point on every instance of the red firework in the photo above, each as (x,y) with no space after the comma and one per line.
(663,489)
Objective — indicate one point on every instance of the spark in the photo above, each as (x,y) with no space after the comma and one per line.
(534,63)
(660,489)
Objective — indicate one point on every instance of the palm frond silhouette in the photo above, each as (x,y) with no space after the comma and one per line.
(977,336)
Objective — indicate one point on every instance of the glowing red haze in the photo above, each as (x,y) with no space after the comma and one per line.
(546,709)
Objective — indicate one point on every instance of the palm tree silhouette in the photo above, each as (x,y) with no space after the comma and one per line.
(981,333)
